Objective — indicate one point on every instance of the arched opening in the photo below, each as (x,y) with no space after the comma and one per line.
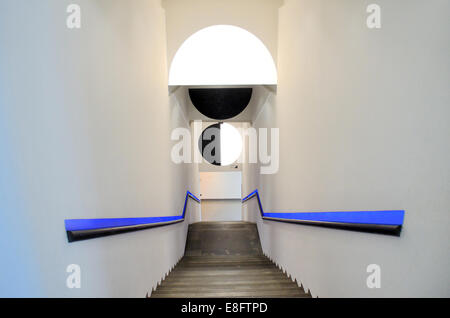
(223,55)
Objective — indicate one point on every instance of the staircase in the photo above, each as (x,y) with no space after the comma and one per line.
(225,259)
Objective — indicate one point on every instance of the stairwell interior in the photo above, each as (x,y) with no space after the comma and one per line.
(88,115)
(225,259)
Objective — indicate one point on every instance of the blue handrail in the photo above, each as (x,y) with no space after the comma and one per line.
(386,221)
(81,229)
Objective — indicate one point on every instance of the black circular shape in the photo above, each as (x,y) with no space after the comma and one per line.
(220,103)
(209,144)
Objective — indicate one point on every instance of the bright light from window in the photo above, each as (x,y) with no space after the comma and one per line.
(230,144)
(223,55)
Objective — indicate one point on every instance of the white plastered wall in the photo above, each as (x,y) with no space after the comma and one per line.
(363,117)
(85,121)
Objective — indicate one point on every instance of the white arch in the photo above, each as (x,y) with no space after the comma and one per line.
(223,55)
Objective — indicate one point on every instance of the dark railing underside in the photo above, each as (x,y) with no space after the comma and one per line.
(382,222)
(83,229)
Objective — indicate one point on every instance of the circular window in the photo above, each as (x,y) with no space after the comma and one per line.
(220,144)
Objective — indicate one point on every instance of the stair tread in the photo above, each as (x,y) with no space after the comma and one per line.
(228,278)
(224,259)
(217,268)
(231,294)
(227,288)
(224,284)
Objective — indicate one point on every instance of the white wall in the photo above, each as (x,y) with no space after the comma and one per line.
(221,210)
(85,121)
(221,194)
(363,117)
(221,185)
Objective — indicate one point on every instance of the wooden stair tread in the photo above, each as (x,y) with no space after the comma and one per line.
(224,259)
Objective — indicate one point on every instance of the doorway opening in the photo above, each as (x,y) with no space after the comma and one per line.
(224,74)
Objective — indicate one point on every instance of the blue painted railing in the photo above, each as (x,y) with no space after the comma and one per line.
(82,229)
(386,222)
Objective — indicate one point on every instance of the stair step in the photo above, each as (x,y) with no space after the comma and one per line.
(241,267)
(237,272)
(232,294)
(228,282)
(213,261)
(220,287)
(224,259)
(225,265)
(228,279)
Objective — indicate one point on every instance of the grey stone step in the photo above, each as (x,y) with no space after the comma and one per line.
(223,238)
